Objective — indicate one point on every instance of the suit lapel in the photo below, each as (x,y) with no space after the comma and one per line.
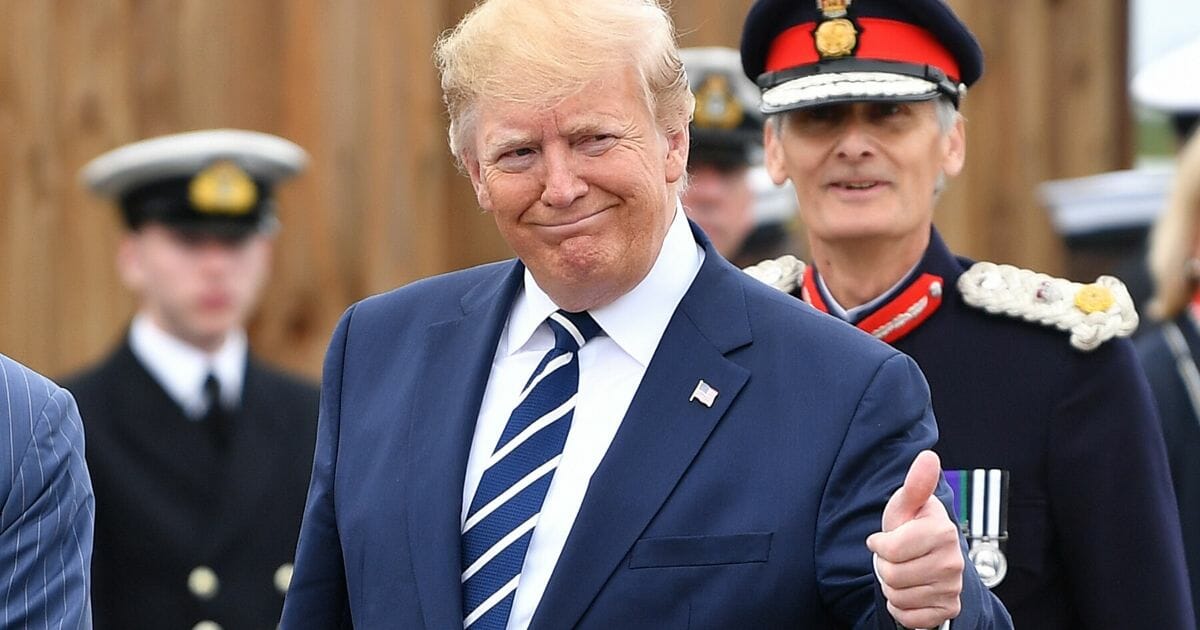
(659,437)
(455,366)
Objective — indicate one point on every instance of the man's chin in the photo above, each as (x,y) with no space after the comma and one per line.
(209,333)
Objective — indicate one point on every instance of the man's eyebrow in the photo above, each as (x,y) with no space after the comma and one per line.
(590,124)
(505,139)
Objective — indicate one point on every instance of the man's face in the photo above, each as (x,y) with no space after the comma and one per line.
(721,202)
(580,189)
(865,171)
(196,287)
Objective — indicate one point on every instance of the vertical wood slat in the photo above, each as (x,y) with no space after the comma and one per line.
(382,203)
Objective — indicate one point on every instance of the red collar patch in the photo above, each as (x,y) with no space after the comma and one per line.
(895,319)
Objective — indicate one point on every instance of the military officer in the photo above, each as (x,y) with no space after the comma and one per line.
(728,194)
(200,454)
(1047,431)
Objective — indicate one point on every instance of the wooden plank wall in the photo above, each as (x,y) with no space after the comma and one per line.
(382,204)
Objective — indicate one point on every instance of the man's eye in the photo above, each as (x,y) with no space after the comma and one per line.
(819,115)
(597,140)
(514,160)
(887,110)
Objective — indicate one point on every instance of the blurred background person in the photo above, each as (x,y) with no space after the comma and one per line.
(200,454)
(729,194)
(1170,349)
(46,504)
(1105,218)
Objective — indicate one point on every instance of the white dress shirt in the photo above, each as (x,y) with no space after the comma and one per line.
(611,367)
(181,368)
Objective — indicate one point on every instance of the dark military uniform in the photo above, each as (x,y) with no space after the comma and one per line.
(187,532)
(198,500)
(1092,539)
(1169,353)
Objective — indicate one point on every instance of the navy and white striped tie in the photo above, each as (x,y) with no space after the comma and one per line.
(509,499)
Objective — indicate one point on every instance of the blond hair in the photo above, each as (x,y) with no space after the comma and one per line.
(539,52)
(1174,240)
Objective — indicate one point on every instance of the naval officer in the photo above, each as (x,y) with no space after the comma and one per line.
(199,452)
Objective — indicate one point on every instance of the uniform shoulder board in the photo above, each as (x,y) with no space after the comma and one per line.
(1092,313)
(785,273)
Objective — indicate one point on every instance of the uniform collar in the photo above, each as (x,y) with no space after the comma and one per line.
(181,368)
(853,315)
(635,321)
(902,308)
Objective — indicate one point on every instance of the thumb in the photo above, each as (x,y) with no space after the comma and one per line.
(919,484)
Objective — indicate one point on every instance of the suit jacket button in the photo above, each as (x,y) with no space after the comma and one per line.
(203,583)
(283,577)
(207,625)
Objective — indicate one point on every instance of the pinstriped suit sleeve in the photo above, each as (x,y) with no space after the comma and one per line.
(46,505)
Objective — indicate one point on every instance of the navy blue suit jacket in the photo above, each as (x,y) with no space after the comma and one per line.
(750,514)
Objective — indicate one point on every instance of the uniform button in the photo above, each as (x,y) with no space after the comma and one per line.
(283,577)
(203,583)
(935,289)
(207,625)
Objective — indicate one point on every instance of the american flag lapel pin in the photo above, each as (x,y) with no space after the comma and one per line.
(704,393)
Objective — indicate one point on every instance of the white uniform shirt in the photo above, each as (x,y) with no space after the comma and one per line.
(611,367)
(181,368)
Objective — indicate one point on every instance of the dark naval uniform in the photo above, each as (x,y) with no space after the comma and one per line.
(1169,354)
(190,535)
(1092,539)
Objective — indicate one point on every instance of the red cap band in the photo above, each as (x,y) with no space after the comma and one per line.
(879,40)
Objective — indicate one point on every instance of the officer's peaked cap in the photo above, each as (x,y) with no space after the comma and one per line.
(216,181)
(812,52)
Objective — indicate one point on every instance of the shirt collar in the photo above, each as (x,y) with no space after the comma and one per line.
(856,313)
(181,368)
(635,321)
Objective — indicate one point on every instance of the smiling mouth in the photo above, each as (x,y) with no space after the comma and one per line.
(860,185)
(575,221)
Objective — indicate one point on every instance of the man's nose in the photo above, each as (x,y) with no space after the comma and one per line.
(213,254)
(563,183)
(855,142)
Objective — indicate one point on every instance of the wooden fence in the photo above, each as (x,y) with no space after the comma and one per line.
(382,204)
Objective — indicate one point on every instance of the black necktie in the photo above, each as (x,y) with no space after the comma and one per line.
(215,418)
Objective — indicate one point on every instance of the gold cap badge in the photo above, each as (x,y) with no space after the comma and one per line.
(836,38)
(833,8)
(223,188)
(716,106)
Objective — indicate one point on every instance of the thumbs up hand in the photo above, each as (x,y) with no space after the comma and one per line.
(917,556)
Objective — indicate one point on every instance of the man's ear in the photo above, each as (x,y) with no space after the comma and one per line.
(956,148)
(678,146)
(773,157)
(129,262)
(476,174)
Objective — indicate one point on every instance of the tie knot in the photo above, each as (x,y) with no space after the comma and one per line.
(572,330)
(212,389)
